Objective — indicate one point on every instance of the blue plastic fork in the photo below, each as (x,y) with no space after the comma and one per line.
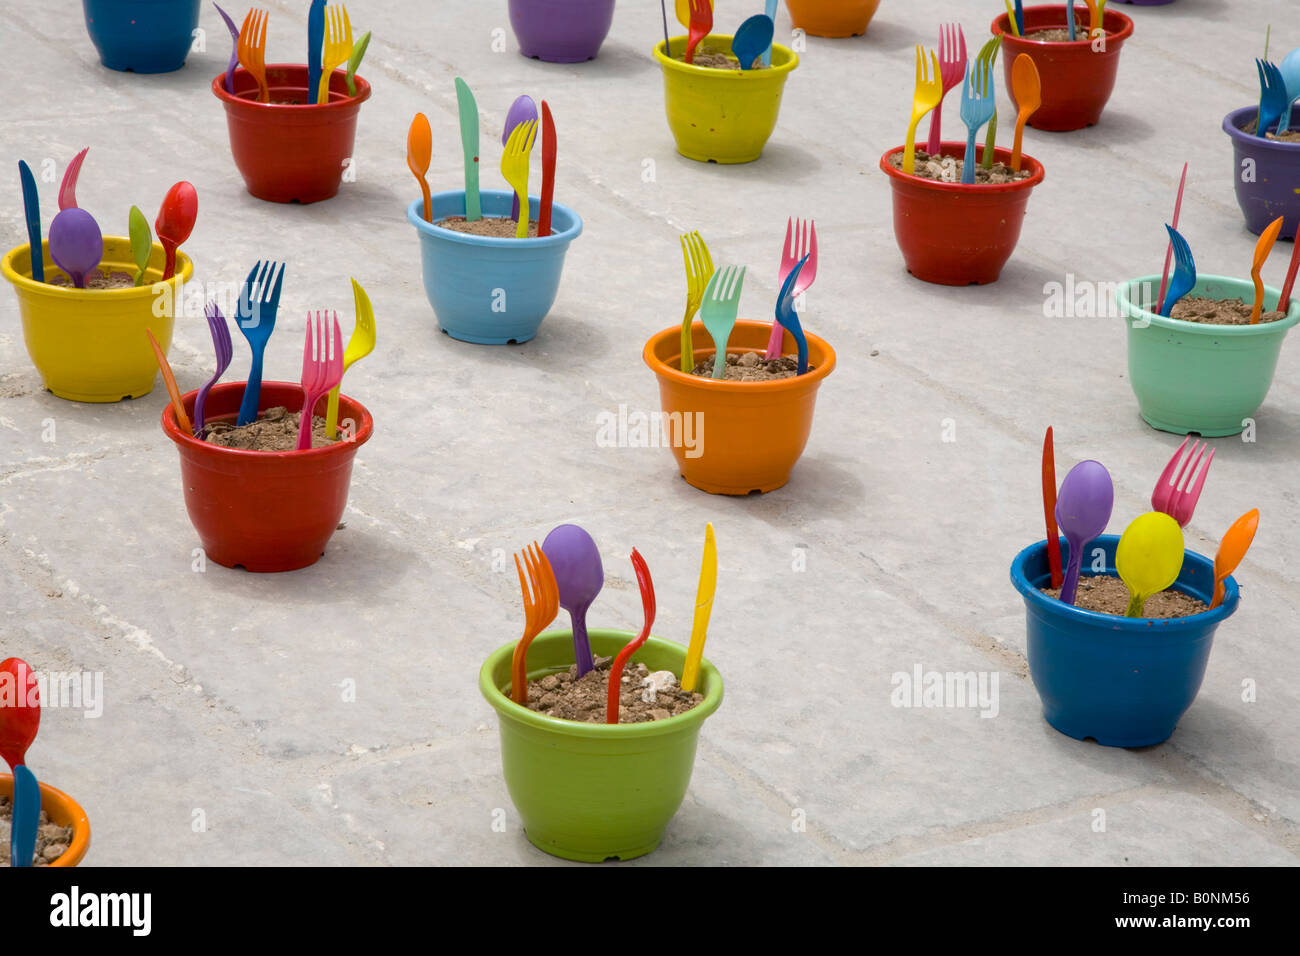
(1184,277)
(1272,97)
(258,301)
(221,344)
(977,108)
(785,314)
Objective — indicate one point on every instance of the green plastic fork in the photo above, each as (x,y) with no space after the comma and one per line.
(718,311)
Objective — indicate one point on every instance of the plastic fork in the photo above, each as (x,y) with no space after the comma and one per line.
(259,300)
(322,369)
(338,47)
(68,188)
(701,24)
(977,108)
(541,604)
(786,316)
(1172,494)
(1262,248)
(800,242)
(360,344)
(225,351)
(989,54)
(699,270)
(952,69)
(234,49)
(252,50)
(928,94)
(1272,97)
(647,587)
(514,167)
(718,310)
(1097,14)
(1184,272)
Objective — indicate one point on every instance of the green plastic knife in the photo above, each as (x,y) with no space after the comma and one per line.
(469,141)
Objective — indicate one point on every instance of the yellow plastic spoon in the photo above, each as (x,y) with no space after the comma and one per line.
(1148,557)
(1233,547)
(361,344)
(703,607)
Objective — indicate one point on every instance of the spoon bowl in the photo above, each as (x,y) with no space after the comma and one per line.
(1149,557)
(76,244)
(1083,506)
(20,712)
(752,38)
(175,222)
(579,576)
(419,153)
(1236,542)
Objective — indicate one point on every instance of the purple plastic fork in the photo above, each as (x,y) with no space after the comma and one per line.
(234,50)
(952,70)
(225,352)
(800,242)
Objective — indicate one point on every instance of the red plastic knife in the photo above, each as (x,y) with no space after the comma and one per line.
(548,171)
(1049,508)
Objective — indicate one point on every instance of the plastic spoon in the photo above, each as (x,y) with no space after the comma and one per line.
(419,153)
(175,222)
(521,110)
(703,608)
(579,576)
(141,243)
(752,38)
(76,245)
(1236,542)
(354,61)
(647,587)
(182,420)
(1262,248)
(26,817)
(1148,557)
(1028,90)
(361,344)
(68,188)
(32,213)
(771,15)
(20,718)
(1083,507)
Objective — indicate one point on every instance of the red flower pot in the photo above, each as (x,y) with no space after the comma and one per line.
(954,234)
(291,152)
(1077,80)
(265,511)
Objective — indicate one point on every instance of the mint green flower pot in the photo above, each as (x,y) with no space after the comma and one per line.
(1191,377)
(594,792)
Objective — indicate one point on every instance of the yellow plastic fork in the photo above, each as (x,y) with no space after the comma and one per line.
(338,47)
(699,270)
(514,167)
(252,50)
(929,93)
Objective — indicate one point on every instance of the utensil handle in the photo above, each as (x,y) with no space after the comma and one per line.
(687,360)
(169,269)
(332,414)
(252,391)
(1070,584)
(968,161)
(581,644)
(990,143)
(26,817)
(775,341)
(305,417)
(934,144)
(802,340)
(1135,603)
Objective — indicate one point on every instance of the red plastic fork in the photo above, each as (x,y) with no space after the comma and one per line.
(1172,494)
(701,24)
(648,606)
(800,241)
(952,69)
(322,370)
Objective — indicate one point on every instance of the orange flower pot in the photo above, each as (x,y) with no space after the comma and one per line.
(832,18)
(62,810)
(748,434)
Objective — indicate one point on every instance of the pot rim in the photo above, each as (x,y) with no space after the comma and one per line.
(184,272)
(1113,622)
(1001,26)
(1132,311)
(230,100)
(1241,136)
(740,76)
(416,208)
(897,176)
(506,707)
(173,431)
(795,383)
(76,850)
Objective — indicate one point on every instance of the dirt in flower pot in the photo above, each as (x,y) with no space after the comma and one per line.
(948,169)
(645,695)
(1108,594)
(1286,136)
(98,280)
(750,367)
(1195,308)
(714,59)
(52,840)
(1060,34)
(276,429)
(498,227)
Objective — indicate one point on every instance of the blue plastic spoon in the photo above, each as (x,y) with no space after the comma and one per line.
(752,38)
(26,817)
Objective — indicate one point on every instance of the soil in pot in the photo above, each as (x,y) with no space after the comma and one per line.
(498,227)
(52,840)
(1286,136)
(276,429)
(98,280)
(948,169)
(714,59)
(566,696)
(750,367)
(1060,35)
(1108,594)
(1195,308)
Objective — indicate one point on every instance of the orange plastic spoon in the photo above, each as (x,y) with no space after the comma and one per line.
(1232,549)
(169,380)
(1262,249)
(419,153)
(1028,90)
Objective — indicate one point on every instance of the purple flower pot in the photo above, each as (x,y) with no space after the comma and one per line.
(1266,174)
(561,31)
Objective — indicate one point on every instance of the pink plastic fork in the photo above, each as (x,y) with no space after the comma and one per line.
(952,69)
(1172,494)
(322,370)
(800,241)
(68,188)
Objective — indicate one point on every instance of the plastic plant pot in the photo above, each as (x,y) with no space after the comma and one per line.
(958,234)
(64,811)
(266,511)
(291,151)
(746,436)
(1192,377)
(1266,175)
(489,290)
(1124,682)
(89,344)
(832,18)
(561,31)
(595,792)
(722,116)
(142,36)
(1077,81)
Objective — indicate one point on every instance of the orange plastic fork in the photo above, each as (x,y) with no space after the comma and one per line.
(541,604)
(252,50)
(701,24)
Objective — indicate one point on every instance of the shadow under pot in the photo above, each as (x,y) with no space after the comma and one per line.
(595,792)
(266,511)
(1265,173)
(486,289)
(1121,681)
(291,149)
(63,811)
(561,31)
(832,18)
(142,36)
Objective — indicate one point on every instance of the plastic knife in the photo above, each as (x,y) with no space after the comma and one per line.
(548,172)
(469,142)
(315,40)
(32,209)
(1049,508)
(703,608)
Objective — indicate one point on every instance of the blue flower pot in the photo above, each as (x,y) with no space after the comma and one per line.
(143,36)
(1123,682)
(488,290)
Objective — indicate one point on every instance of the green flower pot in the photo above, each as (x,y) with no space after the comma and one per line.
(1191,377)
(595,792)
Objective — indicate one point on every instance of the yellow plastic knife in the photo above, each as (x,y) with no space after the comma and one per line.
(703,607)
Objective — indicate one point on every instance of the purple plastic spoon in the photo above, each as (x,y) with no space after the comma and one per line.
(234,50)
(579,576)
(76,245)
(522,110)
(1083,507)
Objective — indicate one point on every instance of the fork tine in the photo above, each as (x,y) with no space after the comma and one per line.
(274,300)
